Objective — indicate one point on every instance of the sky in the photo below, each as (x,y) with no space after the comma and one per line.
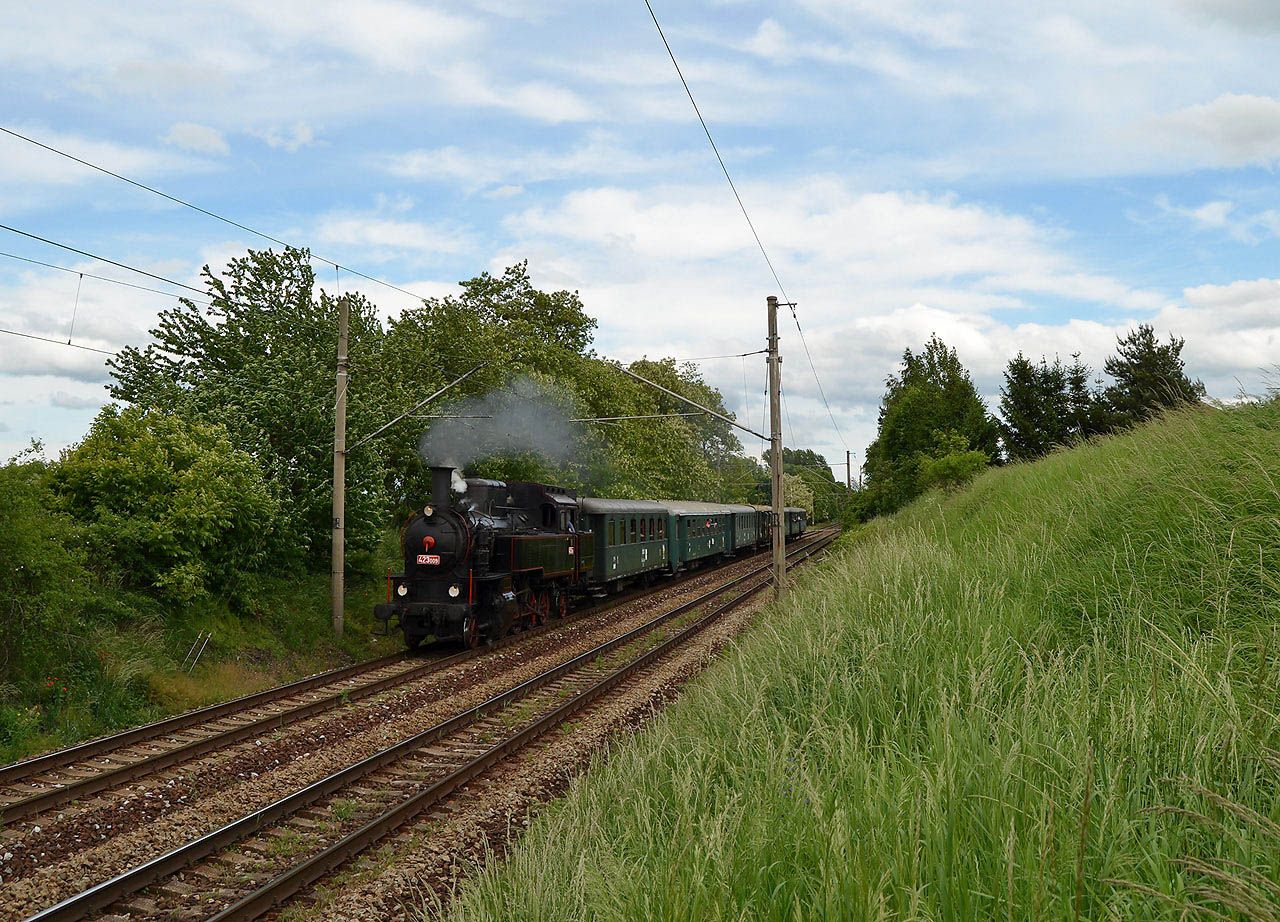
(1011,176)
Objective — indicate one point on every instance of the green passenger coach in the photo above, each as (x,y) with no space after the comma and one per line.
(699,530)
(630,539)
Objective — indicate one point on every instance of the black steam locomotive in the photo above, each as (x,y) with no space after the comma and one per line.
(507,555)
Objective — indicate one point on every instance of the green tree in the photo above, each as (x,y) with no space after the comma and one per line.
(743,480)
(1046,405)
(831,498)
(168,505)
(931,392)
(1087,412)
(715,437)
(502,321)
(1149,376)
(1033,408)
(259,361)
(796,492)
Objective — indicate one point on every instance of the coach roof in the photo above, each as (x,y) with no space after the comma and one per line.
(593,506)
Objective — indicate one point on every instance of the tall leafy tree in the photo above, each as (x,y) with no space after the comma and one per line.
(831,498)
(259,362)
(931,393)
(1149,376)
(715,437)
(796,491)
(547,336)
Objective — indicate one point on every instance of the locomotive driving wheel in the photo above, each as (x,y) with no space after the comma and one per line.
(562,604)
(542,606)
(471,631)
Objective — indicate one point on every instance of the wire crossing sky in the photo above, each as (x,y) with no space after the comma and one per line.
(1009,177)
(754,233)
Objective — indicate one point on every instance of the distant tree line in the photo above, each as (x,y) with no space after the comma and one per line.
(935,430)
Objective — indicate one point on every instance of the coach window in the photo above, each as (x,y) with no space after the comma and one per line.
(633,531)
(644,532)
(662,528)
(613,533)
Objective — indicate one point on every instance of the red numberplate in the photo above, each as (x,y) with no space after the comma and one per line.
(429,559)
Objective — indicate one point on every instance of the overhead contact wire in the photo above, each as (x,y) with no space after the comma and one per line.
(751,224)
(204,211)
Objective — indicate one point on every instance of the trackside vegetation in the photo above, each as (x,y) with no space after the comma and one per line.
(1051,695)
(199,501)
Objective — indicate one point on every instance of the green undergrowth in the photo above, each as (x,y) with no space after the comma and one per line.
(84,658)
(1052,695)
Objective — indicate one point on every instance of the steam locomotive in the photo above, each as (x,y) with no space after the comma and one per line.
(503,556)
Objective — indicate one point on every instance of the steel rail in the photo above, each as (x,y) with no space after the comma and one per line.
(59,793)
(122,885)
(285,885)
(61,758)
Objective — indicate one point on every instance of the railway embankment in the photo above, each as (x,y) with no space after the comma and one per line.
(1055,694)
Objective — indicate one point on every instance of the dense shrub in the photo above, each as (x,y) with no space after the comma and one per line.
(951,464)
(168,505)
(41,575)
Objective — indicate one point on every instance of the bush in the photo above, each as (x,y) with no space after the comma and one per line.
(41,574)
(952,464)
(169,505)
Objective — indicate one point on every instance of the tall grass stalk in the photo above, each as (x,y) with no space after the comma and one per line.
(1050,696)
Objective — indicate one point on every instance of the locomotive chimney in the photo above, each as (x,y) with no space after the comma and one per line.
(441,484)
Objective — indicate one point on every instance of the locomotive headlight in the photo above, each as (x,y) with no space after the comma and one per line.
(429,511)
(454,591)
(402,590)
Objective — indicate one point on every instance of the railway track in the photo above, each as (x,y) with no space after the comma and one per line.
(246,868)
(44,783)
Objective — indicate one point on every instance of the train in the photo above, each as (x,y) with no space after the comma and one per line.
(503,556)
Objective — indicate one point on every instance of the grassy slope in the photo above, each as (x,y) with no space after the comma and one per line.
(1051,695)
(129,672)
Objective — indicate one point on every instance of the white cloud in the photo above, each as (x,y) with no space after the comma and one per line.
(1232,332)
(873,273)
(507,191)
(820,227)
(1224,215)
(291,138)
(914,72)
(198,138)
(69,401)
(389,34)
(1236,129)
(274,64)
(927,22)
(599,153)
(1245,14)
(26,165)
(381,238)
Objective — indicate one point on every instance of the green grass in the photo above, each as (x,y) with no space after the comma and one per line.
(126,669)
(1050,696)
